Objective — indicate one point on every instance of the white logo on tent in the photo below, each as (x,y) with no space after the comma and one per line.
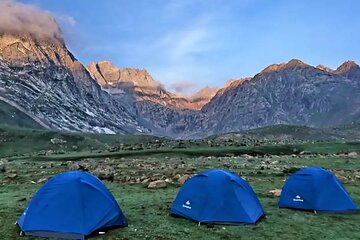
(298,199)
(187,205)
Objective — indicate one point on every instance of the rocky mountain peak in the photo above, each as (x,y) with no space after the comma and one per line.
(350,70)
(293,63)
(229,82)
(324,68)
(346,66)
(108,74)
(21,49)
(26,47)
(204,94)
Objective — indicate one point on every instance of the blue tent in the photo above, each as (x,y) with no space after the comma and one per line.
(71,205)
(217,196)
(315,189)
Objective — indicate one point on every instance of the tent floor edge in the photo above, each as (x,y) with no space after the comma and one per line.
(324,212)
(49,234)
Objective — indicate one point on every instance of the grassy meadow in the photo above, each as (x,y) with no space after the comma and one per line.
(33,158)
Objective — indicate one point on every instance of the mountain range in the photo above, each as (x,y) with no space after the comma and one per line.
(41,78)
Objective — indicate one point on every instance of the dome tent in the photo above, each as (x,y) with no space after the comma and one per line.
(71,205)
(316,189)
(217,196)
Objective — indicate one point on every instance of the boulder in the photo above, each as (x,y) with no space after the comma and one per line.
(11,174)
(177,176)
(157,184)
(84,166)
(145,182)
(184,178)
(353,154)
(305,153)
(42,180)
(246,156)
(275,193)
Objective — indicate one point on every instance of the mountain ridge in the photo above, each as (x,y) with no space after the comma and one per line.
(44,79)
(141,85)
(49,82)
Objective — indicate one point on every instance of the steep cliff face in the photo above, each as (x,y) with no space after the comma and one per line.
(41,77)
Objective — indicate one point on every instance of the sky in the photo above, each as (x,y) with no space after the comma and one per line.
(189,44)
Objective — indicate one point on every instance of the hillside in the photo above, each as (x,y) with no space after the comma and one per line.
(293,93)
(11,116)
(291,134)
(14,141)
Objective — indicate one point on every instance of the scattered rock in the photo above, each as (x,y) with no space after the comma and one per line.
(84,166)
(57,141)
(342,178)
(104,173)
(157,184)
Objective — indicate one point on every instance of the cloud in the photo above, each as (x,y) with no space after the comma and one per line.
(186,43)
(183,86)
(66,20)
(18,17)
(180,55)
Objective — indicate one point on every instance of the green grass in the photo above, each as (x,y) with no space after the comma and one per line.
(23,141)
(33,156)
(318,148)
(147,210)
(11,116)
(281,132)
